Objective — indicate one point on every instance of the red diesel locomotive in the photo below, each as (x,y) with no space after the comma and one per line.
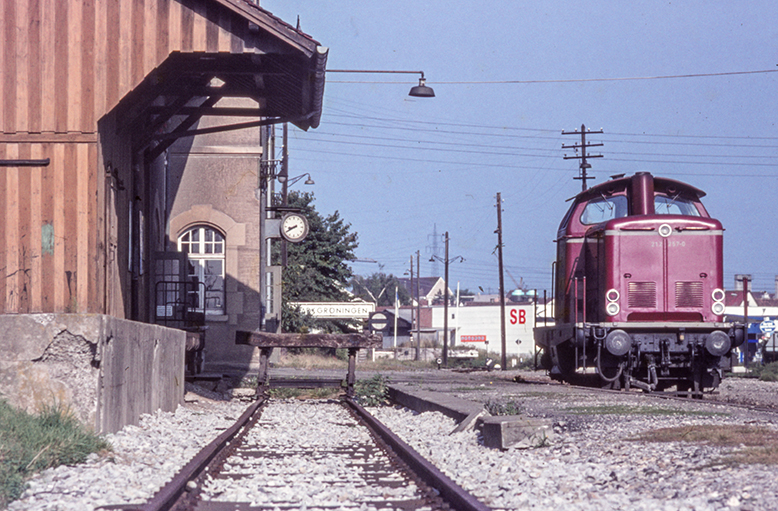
(639,294)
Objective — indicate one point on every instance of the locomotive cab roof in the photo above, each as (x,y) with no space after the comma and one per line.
(633,196)
(661,185)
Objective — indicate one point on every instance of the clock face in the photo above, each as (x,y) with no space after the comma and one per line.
(294,227)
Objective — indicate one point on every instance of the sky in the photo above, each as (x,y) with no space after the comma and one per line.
(682,89)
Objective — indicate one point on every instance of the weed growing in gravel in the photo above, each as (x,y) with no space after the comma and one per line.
(31,443)
(373,391)
(750,444)
(496,408)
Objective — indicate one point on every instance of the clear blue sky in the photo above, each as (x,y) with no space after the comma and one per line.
(401,169)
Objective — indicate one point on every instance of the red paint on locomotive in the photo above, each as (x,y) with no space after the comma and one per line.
(639,287)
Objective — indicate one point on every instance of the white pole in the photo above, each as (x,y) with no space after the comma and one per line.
(396,312)
(456,320)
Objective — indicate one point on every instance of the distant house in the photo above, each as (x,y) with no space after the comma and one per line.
(429,288)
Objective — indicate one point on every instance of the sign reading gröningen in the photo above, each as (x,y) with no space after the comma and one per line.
(337,310)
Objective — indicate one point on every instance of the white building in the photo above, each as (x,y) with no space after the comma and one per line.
(478,326)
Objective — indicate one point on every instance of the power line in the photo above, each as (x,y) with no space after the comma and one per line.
(584,80)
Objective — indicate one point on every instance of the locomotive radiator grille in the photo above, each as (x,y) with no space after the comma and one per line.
(688,294)
(642,294)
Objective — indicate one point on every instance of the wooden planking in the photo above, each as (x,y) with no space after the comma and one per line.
(34,68)
(47,228)
(35,231)
(49,88)
(22,57)
(88,65)
(9,67)
(66,63)
(23,283)
(11,266)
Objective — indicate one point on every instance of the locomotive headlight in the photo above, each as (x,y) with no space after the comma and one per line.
(717,343)
(717,295)
(717,308)
(612,307)
(665,230)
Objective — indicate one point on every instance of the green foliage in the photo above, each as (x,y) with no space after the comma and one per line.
(29,444)
(372,392)
(767,372)
(379,288)
(317,269)
(496,408)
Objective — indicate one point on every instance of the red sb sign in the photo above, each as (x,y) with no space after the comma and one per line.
(518,316)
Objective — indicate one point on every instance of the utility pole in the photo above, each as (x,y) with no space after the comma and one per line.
(446,262)
(503,345)
(418,306)
(583,146)
(410,291)
(445,309)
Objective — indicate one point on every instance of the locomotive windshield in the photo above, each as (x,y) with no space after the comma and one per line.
(674,206)
(604,209)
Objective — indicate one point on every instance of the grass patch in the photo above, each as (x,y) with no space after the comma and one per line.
(372,391)
(767,372)
(634,410)
(753,444)
(318,361)
(31,443)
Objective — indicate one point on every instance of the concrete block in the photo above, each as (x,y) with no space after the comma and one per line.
(502,432)
(107,371)
(461,410)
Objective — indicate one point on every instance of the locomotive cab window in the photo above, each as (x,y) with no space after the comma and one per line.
(664,205)
(604,209)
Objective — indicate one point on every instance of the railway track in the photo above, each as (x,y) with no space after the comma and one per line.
(710,398)
(310,455)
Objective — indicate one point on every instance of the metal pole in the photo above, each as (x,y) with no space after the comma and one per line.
(445,309)
(745,320)
(502,285)
(418,307)
(285,187)
(410,291)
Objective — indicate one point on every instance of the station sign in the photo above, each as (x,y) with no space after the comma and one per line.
(337,310)
(768,326)
(379,321)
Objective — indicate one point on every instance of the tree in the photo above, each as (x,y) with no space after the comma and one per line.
(379,288)
(317,269)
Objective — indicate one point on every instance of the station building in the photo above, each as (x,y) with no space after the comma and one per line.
(130,133)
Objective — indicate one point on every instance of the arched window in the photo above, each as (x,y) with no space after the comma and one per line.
(204,247)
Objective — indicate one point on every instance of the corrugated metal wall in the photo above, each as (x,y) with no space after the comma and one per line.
(64,65)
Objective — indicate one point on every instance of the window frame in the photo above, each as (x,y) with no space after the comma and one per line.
(203,245)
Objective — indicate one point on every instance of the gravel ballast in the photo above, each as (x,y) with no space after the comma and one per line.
(594,462)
